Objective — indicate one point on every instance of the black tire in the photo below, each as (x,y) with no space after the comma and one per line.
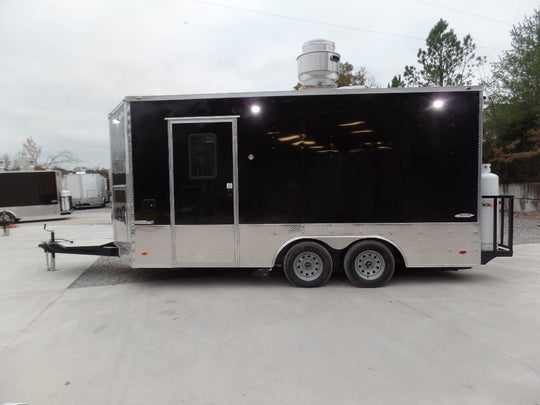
(308,264)
(369,264)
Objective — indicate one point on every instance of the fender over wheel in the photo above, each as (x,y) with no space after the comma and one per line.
(369,263)
(308,264)
(6,216)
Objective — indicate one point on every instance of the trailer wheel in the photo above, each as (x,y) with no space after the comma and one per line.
(7,217)
(369,264)
(308,264)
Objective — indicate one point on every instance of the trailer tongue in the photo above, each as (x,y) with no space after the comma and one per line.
(52,247)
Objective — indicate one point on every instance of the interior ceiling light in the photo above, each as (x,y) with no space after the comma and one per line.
(272,133)
(350,124)
(362,131)
(316,147)
(328,150)
(289,138)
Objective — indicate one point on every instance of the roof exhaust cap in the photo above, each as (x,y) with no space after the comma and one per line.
(318,64)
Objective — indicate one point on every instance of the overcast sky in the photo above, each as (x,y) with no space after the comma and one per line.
(66,64)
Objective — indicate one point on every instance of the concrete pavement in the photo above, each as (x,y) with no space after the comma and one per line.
(225,337)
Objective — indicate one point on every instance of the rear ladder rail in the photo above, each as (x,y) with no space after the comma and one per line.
(503,227)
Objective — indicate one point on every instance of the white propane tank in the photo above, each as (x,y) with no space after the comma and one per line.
(489,185)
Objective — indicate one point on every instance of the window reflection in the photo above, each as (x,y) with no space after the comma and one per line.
(202,156)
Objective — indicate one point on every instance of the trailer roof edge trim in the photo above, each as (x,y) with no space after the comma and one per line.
(305,92)
(116,109)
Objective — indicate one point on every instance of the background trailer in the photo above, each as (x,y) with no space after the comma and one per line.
(87,189)
(32,194)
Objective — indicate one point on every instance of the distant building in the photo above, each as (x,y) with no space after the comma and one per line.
(24,163)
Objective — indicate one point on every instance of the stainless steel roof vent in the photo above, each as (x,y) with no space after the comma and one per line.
(318,64)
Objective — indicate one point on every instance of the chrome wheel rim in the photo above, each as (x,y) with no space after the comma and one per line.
(369,265)
(308,266)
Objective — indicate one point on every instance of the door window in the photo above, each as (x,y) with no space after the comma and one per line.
(202,156)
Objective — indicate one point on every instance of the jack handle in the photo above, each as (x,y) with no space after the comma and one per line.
(53,237)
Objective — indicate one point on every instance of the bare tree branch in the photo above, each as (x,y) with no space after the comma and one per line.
(31,150)
(59,159)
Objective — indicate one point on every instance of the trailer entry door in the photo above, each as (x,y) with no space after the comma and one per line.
(202,164)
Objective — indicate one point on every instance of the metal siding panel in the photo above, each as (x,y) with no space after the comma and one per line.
(152,246)
(192,242)
(130,220)
(480,142)
(422,179)
(422,245)
(149,149)
(424,170)
(120,171)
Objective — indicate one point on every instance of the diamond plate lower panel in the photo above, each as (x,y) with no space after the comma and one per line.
(152,246)
(422,245)
(205,245)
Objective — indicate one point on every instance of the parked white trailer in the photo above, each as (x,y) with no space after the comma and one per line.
(87,189)
(313,181)
(28,195)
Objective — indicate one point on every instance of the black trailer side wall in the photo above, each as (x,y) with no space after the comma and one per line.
(19,189)
(338,158)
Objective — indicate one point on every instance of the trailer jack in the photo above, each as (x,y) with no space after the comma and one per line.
(52,247)
(6,219)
